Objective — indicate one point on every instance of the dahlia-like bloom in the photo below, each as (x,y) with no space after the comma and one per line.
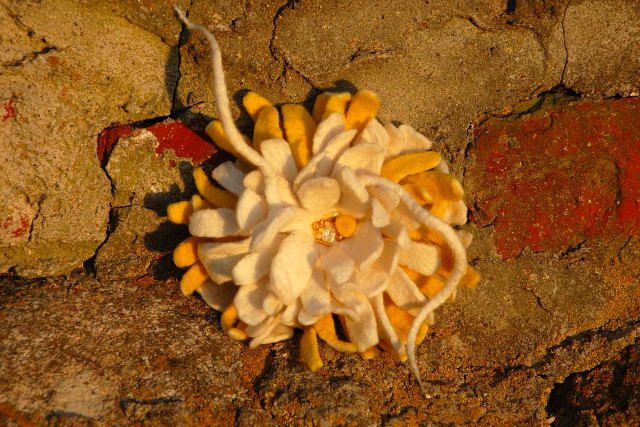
(324,216)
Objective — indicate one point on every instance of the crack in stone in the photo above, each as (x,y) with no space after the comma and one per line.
(579,342)
(564,43)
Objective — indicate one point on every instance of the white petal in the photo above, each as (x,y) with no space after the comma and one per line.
(421,258)
(371,281)
(364,332)
(384,324)
(315,296)
(255,265)
(404,293)
(379,215)
(341,309)
(322,163)
(375,133)
(389,199)
(254,180)
(248,302)
(229,177)
(319,195)
(291,267)
(277,153)
(326,131)
(388,261)
(456,213)
(405,216)
(415,140)
(337,265)
(265,233)
(272,304)
(365,246)
(305,318)
(213,223)
(279,193)
(405,140)
(290,314)
(217,296)
(362,158)
(465,237)
(397,232)
(251,209)
(353,200)
(279,333)
(443,166)
(219,259)
(261,331)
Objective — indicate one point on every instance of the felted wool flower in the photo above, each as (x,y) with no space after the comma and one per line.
(325,216)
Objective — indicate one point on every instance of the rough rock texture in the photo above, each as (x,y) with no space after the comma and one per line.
(68,71)
(600,63)
(555,304)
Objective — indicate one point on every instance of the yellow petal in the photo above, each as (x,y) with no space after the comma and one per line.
(198,203)
(216,133)
(229,317)
(409,164)
(319,106)
(401,320)
(216,196)
(254,103)
(179,212)
(440,208)
(329,103)
(470,279)
(186,253)
(418,193)
(369,353)
(424,234)
(239,333)
(430,285)
(346,225)
(309,349)
(299,128)
(267,126)
(327,332)
(362,108)
(440,185)
(193,278)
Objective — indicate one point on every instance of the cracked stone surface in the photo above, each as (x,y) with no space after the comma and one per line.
(88,69)
(556,314)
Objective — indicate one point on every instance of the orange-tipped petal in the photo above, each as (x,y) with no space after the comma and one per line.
(430,285)
(186,253)
(216,133)
(239,333)
(328,103)
(327,332)
(408,164)
(309,349)
(179,212)
(198,203)
(267,126)
(299,128)
(440,185)
(470,279)
(369,353)
(362,108)
(254,103)
(418,193)
(216,196)
(193,278)
(229,317)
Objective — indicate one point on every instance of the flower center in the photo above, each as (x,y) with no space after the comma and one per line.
(334,227)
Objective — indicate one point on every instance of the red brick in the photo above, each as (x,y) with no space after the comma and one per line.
(558,176)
